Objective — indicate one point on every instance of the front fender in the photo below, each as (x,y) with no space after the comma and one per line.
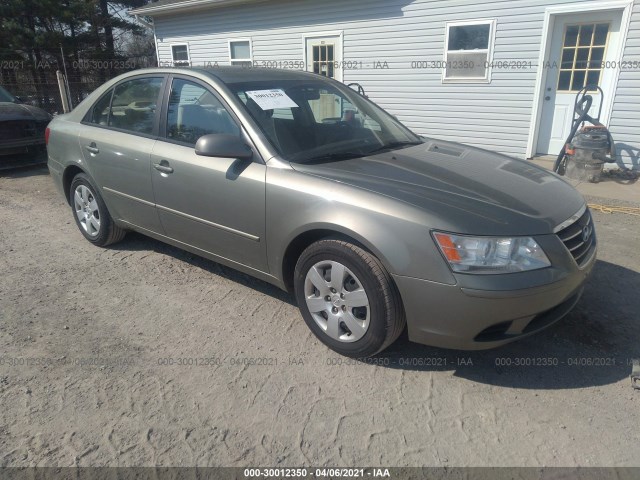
(396,233)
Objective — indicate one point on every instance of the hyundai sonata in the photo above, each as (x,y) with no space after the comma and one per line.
(300,181)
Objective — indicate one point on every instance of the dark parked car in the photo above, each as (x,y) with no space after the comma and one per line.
(22,126)
(296,179)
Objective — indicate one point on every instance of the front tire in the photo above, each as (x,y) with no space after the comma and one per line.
(347,298)
(91,214)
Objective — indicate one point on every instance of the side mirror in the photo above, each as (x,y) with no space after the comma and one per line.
(224,146)
(18,99)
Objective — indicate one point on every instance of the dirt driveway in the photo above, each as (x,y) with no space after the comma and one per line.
(146,355)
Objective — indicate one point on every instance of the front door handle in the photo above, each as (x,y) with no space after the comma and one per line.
(163,167)
(92,148)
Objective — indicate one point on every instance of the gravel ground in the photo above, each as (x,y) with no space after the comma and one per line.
(88,335)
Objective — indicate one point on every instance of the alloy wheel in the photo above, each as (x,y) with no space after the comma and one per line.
(337,301)
(86,208)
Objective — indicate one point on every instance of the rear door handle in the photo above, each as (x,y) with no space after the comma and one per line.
(163,167)
(92,148)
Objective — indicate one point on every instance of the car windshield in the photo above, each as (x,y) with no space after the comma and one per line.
(6,96)
(311,121)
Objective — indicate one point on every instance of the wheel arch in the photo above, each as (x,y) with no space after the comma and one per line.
(302,240)
(68,175)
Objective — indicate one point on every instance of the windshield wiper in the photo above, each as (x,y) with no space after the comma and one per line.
(334,157)
(393,146)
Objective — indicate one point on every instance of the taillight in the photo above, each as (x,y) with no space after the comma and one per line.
(46,135)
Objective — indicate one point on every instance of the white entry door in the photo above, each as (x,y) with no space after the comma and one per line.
(579,46)
(324,57)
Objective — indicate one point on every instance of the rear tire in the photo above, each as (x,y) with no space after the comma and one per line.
(91,214)
(347,298)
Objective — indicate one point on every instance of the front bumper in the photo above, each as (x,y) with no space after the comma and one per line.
(18,136)
(458,317)
(20,145)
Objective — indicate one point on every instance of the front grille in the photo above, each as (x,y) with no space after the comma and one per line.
(18,129)
(580,238)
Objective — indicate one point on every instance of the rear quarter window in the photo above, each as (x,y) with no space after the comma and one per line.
(99,113)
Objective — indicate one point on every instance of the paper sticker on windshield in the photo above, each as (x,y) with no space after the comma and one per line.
(271,99)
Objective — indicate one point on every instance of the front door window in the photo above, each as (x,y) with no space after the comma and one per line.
(194,111)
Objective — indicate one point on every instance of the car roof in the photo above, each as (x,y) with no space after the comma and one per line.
(230,74)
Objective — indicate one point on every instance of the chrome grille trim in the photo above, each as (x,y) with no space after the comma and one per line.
(571,220)
(573,236)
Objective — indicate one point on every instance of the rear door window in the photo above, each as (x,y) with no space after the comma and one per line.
(134,105)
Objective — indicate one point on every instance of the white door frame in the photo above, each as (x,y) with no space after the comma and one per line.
(550,15)
(334,33)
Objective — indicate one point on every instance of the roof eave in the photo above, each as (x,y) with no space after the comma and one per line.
(185,6)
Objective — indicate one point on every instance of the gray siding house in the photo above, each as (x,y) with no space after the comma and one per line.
(499,74)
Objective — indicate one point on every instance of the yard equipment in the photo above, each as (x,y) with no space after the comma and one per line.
(586,151)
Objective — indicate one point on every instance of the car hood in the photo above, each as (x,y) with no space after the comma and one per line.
(461,188)
(19,111)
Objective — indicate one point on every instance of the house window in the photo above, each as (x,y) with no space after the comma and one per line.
(180,55)
(240,52)
(468,51)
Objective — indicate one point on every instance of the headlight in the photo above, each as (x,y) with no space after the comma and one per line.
(491,255)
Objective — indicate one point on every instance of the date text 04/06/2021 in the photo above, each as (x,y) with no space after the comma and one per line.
(316,473)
